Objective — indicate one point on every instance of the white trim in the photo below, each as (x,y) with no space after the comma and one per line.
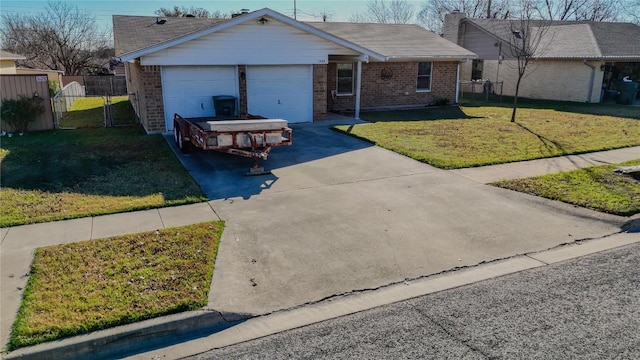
(250,17)
(430,77)
(458,83)
(350,93)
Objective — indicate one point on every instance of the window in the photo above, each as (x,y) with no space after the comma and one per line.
(345,79)
(424,76)
(476,69)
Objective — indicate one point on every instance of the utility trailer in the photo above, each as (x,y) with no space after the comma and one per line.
(253,138)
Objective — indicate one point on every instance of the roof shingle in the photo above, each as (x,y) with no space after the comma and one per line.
(135,33)
(576,39)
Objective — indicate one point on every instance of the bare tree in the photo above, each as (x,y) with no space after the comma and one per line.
(633,11)
(578,10)
(325,14)
(432,13)
(60,38)
(527,39)
(391,12)
(191,11)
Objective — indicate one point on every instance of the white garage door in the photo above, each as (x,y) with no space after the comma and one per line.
(281,92)
(189,90)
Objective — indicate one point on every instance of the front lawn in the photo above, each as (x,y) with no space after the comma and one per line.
(596,187)
(483,135)
(88,112)
(91,285)
(64,174)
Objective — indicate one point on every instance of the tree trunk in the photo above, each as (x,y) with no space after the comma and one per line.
(515,100)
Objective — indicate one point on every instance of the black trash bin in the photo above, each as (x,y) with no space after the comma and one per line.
(225,105)
(627,92)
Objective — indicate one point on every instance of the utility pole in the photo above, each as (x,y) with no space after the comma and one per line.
(295,11)
(489,10)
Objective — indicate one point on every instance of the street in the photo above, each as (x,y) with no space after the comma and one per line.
(587,308)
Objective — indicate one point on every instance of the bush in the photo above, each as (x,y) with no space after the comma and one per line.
(54,87)
(21,112)
(442,101)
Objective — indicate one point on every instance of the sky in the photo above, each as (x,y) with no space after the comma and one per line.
(103,10)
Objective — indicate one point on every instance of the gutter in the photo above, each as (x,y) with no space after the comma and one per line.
(593,75)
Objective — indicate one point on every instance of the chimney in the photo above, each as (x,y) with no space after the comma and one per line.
(451,30)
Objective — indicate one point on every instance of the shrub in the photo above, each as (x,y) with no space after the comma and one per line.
(54,87)
(21,112)
(442,101)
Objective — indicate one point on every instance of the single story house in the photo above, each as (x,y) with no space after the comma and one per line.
(8,62)
(582,61)
(279,67)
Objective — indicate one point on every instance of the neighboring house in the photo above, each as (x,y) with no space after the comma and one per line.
(8,62)
(278,67)
(52,75)
(576,61)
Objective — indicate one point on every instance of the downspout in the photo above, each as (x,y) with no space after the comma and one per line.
(458,83)
(358,85)
(591,80)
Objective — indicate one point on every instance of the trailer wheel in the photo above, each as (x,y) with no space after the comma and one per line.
(176,133)
(182,145)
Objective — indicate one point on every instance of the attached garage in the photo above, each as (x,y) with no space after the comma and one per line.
(189,90)
(284,92)
(276,66)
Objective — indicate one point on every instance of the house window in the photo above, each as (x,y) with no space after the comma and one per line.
(345,79)
(424,76)
(476,69)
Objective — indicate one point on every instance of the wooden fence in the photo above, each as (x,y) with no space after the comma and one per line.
(12,86)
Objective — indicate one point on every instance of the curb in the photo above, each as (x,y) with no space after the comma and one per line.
(190,333)
(131,339)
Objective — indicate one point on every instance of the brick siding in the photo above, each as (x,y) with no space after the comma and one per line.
(400,90)
(319,92)
(242,89)
(146,83)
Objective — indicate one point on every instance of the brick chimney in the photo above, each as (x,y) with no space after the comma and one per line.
(451,29)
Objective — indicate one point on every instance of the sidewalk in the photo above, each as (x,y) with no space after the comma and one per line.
(524,169)
(18,243)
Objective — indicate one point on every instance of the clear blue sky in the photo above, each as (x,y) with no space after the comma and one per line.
(104,9)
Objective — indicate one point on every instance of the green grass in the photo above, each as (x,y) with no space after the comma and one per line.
(596,187)
(88,112)
(91,285)
(64,174)
(483,135)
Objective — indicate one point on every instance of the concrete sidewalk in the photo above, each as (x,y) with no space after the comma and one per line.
(251,232)
(19,242)
(524,169)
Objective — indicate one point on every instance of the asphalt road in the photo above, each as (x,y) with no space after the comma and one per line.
(588,308)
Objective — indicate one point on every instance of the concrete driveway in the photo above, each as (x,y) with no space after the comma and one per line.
(340,215)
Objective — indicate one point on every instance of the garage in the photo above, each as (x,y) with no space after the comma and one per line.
(188,90)
(281,92)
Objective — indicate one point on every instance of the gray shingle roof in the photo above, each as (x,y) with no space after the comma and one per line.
(395,40)
(577,39)
(134,33)
(5,55)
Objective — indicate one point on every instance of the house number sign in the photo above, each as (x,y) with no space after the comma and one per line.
(386,73)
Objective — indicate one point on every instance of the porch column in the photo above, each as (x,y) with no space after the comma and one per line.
(458,83)
(358,85)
